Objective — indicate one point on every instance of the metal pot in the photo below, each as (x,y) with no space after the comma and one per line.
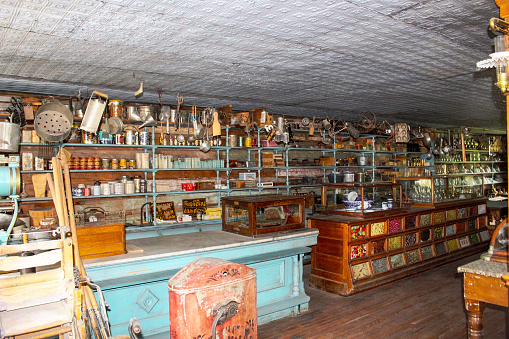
(362,161)
(360,177)
(9,137)
(53,121)
(348,176)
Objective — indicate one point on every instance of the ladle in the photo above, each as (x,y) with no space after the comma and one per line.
(205,144)
(190,138)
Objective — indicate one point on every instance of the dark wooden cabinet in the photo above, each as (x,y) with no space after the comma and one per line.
(355,254)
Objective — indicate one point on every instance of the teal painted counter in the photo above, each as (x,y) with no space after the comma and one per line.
(135,284)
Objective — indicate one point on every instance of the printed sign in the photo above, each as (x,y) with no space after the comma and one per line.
(193,206)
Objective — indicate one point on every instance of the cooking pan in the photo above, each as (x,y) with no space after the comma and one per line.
(53,121)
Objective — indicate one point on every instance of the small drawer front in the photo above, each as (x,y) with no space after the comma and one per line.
(424,220)
(377,228)
(358,232)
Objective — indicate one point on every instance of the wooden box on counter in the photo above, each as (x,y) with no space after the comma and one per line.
(254,215)
(97,240)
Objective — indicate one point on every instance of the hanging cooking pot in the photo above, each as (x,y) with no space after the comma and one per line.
(53,121)
(9,137)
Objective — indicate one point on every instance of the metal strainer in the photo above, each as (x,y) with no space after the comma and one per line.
(53,121)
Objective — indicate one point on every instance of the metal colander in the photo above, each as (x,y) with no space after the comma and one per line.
(53,121)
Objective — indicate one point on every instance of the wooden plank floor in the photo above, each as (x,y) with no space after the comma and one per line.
(426,305)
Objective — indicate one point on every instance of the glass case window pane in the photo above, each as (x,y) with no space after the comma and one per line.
(464,242)
(440,248)
(427,252)
(394,243)
(412,256)
(379,265)
(394,225)
(378,246)
(377,228)
(482,222)
(358,251)
(451,215)
(461,227)
(474,238)
(438,233)
(424,220)
(360,271)
(425,235)
(410,222)
(453,245)
(410,239)
(449,230)
(397,260)
(358,232)
(438,217)
(471,225)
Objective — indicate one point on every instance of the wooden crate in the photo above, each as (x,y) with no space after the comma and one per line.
(98,240)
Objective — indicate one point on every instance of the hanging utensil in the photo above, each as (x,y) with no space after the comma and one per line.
(190,138)
(205,145)
(180,137)
(94,112)
(312,128)
(216,127)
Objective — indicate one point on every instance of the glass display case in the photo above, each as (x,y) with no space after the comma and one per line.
(260,214)
(362,199)
(432,190)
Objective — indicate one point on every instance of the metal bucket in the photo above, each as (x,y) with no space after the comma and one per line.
(9,137)
(9,181)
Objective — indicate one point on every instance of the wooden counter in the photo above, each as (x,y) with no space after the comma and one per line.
(355,254)
(482,282)
(135,284)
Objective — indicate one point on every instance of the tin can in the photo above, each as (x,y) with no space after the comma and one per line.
(89,138)
(105,189)
(106,163)
(116,108)
(143,186)
(87,191)
(137,184)
(114,164)
(232,141)
(130,137)
(119,139)
(145,138)
(119,188)
(132,164)
(122,164)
